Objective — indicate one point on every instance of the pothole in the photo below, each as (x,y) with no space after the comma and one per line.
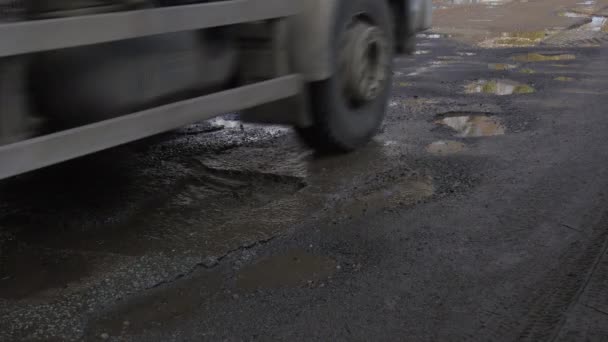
(501,66)
(229,123)
(499,87)
(294,269)
(516,39)
(490,3)
(473,125)
(564,79)
(445,147)
(538,57)
(570,14)
(596,24)
(450,58)
(35,270)
(395,190)
(527,71)
(433,35)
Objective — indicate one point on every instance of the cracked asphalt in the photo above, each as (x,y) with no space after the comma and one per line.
(478,213)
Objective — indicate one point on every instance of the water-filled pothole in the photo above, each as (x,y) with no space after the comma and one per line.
(470,125)
(445,147)
(499,87)
(596,24)
(501,66)
(433,35)
(466,54)
(538,57)
(516,39)
(440,4)
(293,269)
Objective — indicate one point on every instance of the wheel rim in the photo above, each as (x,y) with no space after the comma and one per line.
(363,62)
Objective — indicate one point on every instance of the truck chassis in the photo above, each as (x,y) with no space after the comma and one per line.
(287,67)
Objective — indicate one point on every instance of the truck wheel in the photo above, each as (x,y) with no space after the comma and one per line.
(349,107)
(409,46)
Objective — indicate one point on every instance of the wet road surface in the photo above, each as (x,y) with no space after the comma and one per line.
(478,213)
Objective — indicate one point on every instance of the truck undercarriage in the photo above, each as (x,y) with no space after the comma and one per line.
(79,76)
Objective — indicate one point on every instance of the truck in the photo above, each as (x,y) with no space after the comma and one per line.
(81,76)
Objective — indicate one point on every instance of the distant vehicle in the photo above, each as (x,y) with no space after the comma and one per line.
(101,73)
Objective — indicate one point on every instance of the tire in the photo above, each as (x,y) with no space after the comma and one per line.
(409,45)
(342,121)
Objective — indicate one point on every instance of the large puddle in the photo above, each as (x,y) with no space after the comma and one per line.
(473,126)
(500,87)
(296,268)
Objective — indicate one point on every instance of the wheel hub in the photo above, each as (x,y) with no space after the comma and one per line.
(364,62)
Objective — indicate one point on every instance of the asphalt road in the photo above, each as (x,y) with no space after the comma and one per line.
(472,216)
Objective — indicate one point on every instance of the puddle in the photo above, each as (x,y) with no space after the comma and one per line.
(422,52)
(472,126)
(501,66)
(498,87)
(404,190)
(527,71)
(444,147)
(294,269)
(467,54)
(564,79)
(573,15)
(156,309)
(26,272)
(538,57)
(445,3)
(433,35)
(517,39)
(597,24)
(404,84)
(450,58)
(237,124)
(259,161)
